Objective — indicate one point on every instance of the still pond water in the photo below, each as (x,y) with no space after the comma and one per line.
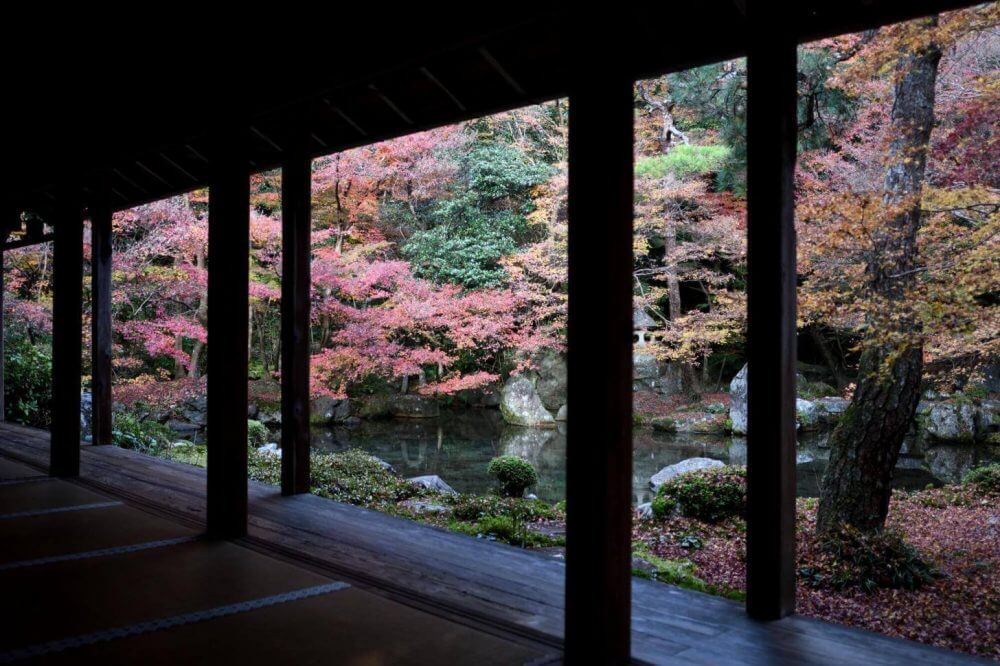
(458,445)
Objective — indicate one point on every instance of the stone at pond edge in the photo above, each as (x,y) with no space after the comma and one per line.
(700,423)
(520,404)
(664,424)
(325,410)
(952,421)
(645,511)
(433,482)
(551,383)
(690,465)
(374,407)
(412,406)
(561,414)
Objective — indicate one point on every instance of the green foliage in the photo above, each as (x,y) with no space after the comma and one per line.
(513,474)
(812,390)
(483,221)
(709,495)
(868,560)
(28,382)
(986,479)
(683,161)
(256,433)
(351,476)
(131,431)
(663,506)
(475,507)
(508,529)
(677,572)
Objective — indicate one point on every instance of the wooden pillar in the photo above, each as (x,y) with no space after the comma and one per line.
(228,303)
(296,175)
(67,339)
(100,291)
(771,307)
(599,444)
(3,335)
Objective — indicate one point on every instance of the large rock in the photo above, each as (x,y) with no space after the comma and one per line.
(698,423)
(683,467)
(738,402)
(374,407)
(551,383)
(414,407)
(433,482)
(520,404)
(952,421)
(325,410)
(673,381)
(184,429)
(818,413)
(645,372)
(195,410)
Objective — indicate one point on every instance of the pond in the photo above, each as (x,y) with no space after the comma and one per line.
(458,445)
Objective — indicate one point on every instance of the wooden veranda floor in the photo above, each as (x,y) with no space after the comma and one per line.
(491,588)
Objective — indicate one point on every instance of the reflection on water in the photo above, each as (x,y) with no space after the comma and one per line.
(458,445)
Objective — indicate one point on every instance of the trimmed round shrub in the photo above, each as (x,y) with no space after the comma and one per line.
(986,479)
(256,433)
(513,474)
(709,495)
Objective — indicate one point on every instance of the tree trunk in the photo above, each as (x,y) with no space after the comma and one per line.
(865,445)
(689,380)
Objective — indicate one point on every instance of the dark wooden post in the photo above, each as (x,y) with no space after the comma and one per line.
(296,175)
(3,336)
(228,304)
(771,146)
(100,311)
(67,339)
(599,452)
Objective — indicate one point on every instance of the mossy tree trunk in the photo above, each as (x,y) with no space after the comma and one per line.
(865,445)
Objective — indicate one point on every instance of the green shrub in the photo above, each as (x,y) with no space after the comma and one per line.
(683,161)
(28,382)
(351,476)
(131,431)
(513,474)
(256,433)
(475,507)
(868,560)
(663,506)
(708,495)
(986,479)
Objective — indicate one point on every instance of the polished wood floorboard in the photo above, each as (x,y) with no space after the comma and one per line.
(471,580)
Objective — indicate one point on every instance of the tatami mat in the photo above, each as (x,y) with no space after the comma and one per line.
(77,531)
(15,470)
(40,495)
(348,626)
(114,584)
(115,591)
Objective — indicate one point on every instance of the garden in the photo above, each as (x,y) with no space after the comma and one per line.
(439,290)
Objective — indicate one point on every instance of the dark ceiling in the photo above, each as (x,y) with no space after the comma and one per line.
(94,106)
